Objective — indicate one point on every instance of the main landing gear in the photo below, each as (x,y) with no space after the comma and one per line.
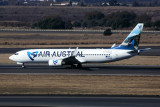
(79,66)
(76,66)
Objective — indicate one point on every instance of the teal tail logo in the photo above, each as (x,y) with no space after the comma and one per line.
(32,55)
(140,26)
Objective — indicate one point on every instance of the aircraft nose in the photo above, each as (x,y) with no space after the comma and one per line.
(11,58)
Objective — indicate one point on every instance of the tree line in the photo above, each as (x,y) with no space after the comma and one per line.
(92,19)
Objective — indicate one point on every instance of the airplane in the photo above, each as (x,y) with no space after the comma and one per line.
(76,57)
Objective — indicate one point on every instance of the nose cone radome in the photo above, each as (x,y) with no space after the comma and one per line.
(11,58)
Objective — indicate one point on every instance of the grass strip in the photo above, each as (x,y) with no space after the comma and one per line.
(81,85)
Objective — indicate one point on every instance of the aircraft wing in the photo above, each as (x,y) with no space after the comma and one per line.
(73,59)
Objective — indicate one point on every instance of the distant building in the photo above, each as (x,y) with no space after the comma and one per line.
(105,4)
(65,4)
(75,3)
(61,4)
(54,1)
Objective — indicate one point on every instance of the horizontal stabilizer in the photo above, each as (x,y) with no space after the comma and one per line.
(146,49)
(141,50)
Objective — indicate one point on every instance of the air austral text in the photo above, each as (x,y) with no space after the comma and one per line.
(59,54)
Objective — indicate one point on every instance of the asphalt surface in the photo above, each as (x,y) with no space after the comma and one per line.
(80,101)
(88,69)
(154,51)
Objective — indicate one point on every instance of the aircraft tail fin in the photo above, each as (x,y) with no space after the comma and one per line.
(134,37)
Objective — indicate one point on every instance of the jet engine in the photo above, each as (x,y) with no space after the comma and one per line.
(55,62)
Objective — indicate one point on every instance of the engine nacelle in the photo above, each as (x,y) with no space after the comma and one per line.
(55,62)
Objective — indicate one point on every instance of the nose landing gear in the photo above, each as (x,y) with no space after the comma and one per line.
(23,65)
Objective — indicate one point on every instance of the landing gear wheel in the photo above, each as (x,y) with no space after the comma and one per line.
(79,66)
(73,66)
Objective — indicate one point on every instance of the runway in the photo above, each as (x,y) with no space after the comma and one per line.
(88,69)
(80,101)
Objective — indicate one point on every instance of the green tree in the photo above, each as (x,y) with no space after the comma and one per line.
(84,24)
(135,3)
(120,19)
(82,4)
(112,2)
(157,24)
(70,3)
(77,24)
(107,32)
(51,23)
(94,15)
(150,4)
(144,18)
(155,3)
(94,18)
(68,25)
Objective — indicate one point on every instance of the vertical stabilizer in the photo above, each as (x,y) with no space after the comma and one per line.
(134,37)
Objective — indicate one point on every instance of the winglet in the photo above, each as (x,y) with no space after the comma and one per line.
(75,52)
(113,45)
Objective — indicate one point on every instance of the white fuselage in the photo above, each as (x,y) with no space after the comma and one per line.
(83,55)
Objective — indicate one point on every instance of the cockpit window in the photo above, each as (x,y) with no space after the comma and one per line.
(16,54)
